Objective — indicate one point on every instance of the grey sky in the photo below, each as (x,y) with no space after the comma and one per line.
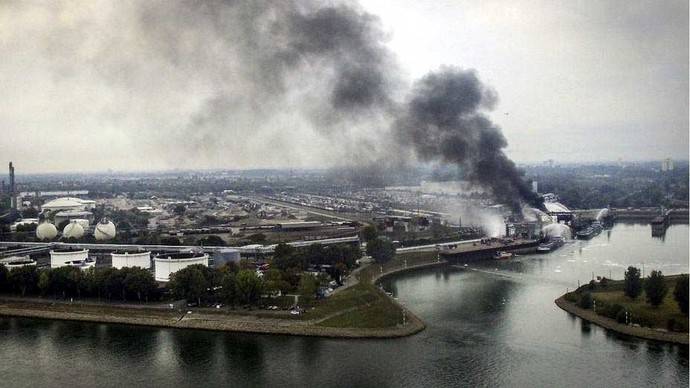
(157,85)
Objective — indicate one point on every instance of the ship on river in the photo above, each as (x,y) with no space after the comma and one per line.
(551,245)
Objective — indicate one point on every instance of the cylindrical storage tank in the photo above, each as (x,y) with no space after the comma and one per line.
(104,230)
(167,264)
(131,259)
(60,257)
(73,230)
(46,231)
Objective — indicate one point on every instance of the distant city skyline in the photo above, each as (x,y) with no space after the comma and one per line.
(150,86)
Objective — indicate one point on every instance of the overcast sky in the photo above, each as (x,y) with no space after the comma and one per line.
(90,86)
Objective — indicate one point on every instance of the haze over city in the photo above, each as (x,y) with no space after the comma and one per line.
(163,85)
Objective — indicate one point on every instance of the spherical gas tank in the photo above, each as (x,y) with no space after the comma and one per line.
(46,231)
(104,230)
(73,230)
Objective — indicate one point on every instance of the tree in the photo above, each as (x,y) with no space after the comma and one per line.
(212,240)
(190,283)
(139,282)
(24,279)
(286,257)
(381,250)
(61,225)
(44,282)
(274,282)
(170,240)
(633,282)
(228,291)
(369,233)
(308,285)
(249,286)
(655,288)
(30,212)
(283,250)
(4,278)
(680,293)
(256,238)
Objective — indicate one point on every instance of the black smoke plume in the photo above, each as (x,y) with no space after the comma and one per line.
(444,120)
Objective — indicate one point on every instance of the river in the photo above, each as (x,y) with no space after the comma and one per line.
(488,325)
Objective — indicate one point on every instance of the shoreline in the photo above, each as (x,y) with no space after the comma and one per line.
(610,324)
(245,323)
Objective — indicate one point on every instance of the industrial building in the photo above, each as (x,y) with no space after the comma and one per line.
(69,215)
(559,211)
(68,204)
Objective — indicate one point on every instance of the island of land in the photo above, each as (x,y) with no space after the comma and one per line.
(613,310)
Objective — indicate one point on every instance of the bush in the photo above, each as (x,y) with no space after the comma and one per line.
(680,294)
(611,311)
(620,316)
(586,300)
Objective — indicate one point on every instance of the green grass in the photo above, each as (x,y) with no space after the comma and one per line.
(364,305)
(358,295)
(641,312)
(381,313)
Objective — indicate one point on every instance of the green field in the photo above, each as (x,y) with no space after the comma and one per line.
(610,298)
(364,305)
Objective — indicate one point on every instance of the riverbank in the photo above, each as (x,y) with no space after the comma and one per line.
(605,304)
(611,324)
(360,310)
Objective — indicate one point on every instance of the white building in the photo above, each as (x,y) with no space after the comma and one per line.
(68,204)
(167,264)
(133,259)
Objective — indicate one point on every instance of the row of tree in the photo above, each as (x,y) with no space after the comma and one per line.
(233,285)
(124,284)
(655,288)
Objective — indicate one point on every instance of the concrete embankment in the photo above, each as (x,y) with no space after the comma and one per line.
(610,324)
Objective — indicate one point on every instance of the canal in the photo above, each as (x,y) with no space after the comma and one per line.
(492,324)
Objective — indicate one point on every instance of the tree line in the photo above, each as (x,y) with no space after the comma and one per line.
(655,288)
(126,284)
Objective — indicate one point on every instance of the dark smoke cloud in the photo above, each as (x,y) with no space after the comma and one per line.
(444,120)
(203,80)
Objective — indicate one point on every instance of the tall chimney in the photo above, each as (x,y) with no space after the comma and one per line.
(13,192)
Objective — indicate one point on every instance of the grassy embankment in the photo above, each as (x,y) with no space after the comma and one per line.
(610,300)
(364,305)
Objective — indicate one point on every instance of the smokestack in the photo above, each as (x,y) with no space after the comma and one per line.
(13,192)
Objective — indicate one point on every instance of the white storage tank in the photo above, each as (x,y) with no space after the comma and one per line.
(46,231)
(168,263)
(131,259)
(73,230)
(62,257)
(104,230)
